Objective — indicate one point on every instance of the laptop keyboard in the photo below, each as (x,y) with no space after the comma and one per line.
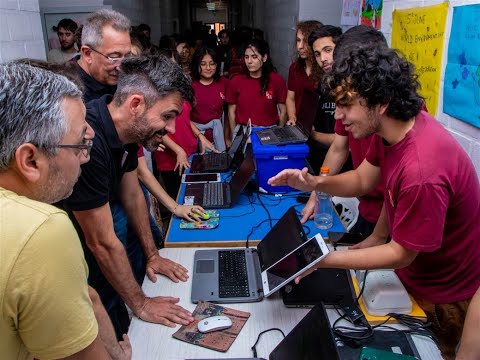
(233,277)
(213,194)
(285,133)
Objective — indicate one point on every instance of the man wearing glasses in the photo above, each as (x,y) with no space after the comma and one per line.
(105,43)
(149,97)
(48,310)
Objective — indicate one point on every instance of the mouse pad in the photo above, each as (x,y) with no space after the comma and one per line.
(216,340)
(211,223)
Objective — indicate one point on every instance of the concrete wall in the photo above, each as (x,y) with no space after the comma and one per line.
(20,30)
(279,19)
(467,135)
(325,11)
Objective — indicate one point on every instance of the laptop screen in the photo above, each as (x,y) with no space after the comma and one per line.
(242,176)
(236,143)
(285,236)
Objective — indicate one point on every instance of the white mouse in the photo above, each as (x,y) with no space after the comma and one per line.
(214,323)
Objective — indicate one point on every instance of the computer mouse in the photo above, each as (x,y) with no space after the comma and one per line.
(214,323)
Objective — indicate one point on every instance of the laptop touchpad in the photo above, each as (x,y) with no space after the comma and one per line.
(205,266)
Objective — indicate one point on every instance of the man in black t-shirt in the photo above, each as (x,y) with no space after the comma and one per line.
(149,96)
(322,41)
(105,43)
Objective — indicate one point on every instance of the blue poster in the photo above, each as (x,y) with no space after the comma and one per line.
(461,95)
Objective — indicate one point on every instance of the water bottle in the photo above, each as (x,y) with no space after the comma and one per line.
(323,218)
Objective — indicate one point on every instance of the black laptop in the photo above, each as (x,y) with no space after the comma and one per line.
(313,339)
(330,286)
(221,162)
(221,194)
(298,133)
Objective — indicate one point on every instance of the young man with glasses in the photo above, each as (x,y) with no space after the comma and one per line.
(105,43)
(48,311)
(149,97)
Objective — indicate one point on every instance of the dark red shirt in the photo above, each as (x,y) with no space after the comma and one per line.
(209,100)
(371,204)
(244,91)
(183,136)
(298,81)
(432,202)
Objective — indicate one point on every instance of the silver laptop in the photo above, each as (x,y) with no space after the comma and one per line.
(247,275)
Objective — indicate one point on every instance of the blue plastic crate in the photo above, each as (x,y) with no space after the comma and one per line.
(271,159)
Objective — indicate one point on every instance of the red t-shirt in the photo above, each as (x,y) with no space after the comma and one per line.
(183,136)
(371,204)
(140,152)
(244,91)
(432,201)
(298,81)
(209,100)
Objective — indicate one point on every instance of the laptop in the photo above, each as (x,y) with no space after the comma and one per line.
(221,162)
(330,286)
(247,275)
(313,339)
(298,133)
(216,195)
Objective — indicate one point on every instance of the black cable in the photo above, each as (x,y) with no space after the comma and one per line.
(363,287)
(254,349)
(266,210)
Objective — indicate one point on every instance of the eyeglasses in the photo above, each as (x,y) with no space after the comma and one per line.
(85,148)
(113,60)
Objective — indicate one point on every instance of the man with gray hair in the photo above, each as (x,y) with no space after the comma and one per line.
(105,43)
(47,309)
(149,96)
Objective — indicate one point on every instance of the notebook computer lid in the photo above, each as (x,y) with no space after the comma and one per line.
(285,236)
(242,176)
(311,339)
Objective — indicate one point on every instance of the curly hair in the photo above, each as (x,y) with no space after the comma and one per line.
(261,46)
(380,76)
(307,27)
(197,59)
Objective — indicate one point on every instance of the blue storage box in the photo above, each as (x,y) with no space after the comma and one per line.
(271,159)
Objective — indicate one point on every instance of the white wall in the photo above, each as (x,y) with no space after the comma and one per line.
(467,135)
(20,30)
(325,11)
(280,17)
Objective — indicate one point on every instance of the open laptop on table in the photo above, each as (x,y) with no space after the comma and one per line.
(247,275)
(221,162)
(221,194)
(298,133)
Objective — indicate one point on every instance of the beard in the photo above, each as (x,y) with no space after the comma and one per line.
(58,186)
(139,132)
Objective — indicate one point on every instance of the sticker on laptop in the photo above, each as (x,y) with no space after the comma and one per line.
(188,200)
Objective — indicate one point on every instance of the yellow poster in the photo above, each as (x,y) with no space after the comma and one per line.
(419,34)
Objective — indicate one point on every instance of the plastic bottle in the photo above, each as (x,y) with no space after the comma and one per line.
(323,218)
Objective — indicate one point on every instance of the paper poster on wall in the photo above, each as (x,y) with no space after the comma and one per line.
(461,92)
(371,14)
(419,34)
(351,12)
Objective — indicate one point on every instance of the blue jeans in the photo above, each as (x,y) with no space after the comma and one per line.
(111,300)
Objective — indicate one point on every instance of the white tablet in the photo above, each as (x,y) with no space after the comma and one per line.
(294,264)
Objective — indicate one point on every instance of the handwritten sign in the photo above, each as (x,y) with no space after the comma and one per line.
(419,34)
(461,92)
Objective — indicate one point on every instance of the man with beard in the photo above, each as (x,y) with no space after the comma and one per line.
(431,202)
(105,43)
(148,98)
(48,311)
(66,29)
(322,41)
